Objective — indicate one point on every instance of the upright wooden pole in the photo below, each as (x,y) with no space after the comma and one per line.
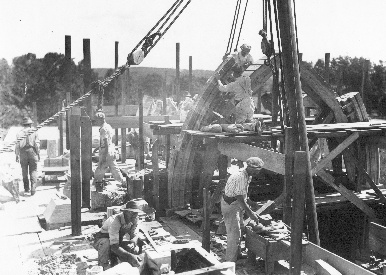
(87,73)
(327,67)
(35,113)
(116,92)
(300,175)
(286,13)
(190,75)
(154,161)
(365,68)
(288,179)
(68,119)
(67,60)
(178,93)
(288,72)
(164,95)
(141,164)
(206,221)
(86,156)
(60,126)
(76,199)
(123,145)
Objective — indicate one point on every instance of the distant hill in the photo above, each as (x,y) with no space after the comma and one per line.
(161,71)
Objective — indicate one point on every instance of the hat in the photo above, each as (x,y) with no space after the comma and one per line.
(100,114)
(133,206)
(245,46)
(27,121)
(255,163)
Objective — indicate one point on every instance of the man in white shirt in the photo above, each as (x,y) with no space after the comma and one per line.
(106,151)
(243,58)
(234,202)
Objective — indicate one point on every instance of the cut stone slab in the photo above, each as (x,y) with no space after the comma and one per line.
(58,213)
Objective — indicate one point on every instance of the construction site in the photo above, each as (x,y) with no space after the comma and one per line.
(316,205)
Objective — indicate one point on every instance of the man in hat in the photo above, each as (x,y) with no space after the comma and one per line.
(243,57)
(106,151)
(109,240)
(234,203)
(28,154)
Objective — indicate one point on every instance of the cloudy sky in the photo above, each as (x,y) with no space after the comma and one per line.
(343,27)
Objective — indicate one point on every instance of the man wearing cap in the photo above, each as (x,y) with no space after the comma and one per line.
(28,154)
(109,240)
(106,151)
(234,202)
(243,58)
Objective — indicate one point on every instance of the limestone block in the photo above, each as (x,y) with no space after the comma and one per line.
(58,211)
(52,148)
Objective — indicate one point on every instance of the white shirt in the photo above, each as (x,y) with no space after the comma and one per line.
(237,184)
(242,60)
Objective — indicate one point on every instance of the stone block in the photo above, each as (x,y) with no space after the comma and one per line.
(58,211)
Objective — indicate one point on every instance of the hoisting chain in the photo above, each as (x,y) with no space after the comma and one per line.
(98,86)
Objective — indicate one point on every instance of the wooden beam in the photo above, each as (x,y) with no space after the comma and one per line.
(87,74)
(178,93)
(133,122)
(123,145)
(116,91)
(377,238)
(339,149)
(348,194)
(273,161)
(76,199)
(300,178)
(140,126)
(154,161)
(206,221)
(60,125)
(288,172)
(86,156)
(67,84)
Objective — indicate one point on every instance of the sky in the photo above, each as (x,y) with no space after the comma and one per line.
(345,27)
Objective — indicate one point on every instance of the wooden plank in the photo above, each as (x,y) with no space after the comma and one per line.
(218,267)
(132,121)
(76,187)
(324,268)
(314,252)
(377,238)
(288,172)
(339,149)
(206,221)
(327,178)
(273,161)
(178,229)
(86,155)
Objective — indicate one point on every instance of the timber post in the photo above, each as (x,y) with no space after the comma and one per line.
(76,187)
(178,93)
(288,180)
(60,126)
(87,74)
(190,75)
(300,177)
(86,156)
(141,159)
(35,113)
(291,65)
(206,221)
(67,63)
(116,91)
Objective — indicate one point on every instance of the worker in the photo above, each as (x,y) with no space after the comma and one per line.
(243,58)
(106,152)
(234,202)
(241,87)
(109,240)
(28,154)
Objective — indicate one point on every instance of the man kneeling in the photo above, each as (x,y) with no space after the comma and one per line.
(109,240)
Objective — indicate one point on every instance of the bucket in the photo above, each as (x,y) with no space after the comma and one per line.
(94,270)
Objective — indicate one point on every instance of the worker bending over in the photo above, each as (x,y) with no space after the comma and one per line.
(243,58)
(106,152)
(234,203)
(109,240)
(241,88)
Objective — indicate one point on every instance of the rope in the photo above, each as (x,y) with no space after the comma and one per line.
(241,27)
(101,84)
(237,19)
(229,46)
(296,29)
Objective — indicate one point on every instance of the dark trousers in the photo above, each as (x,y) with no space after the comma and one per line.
(29,163)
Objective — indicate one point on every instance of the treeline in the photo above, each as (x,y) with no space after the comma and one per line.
(44,81)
